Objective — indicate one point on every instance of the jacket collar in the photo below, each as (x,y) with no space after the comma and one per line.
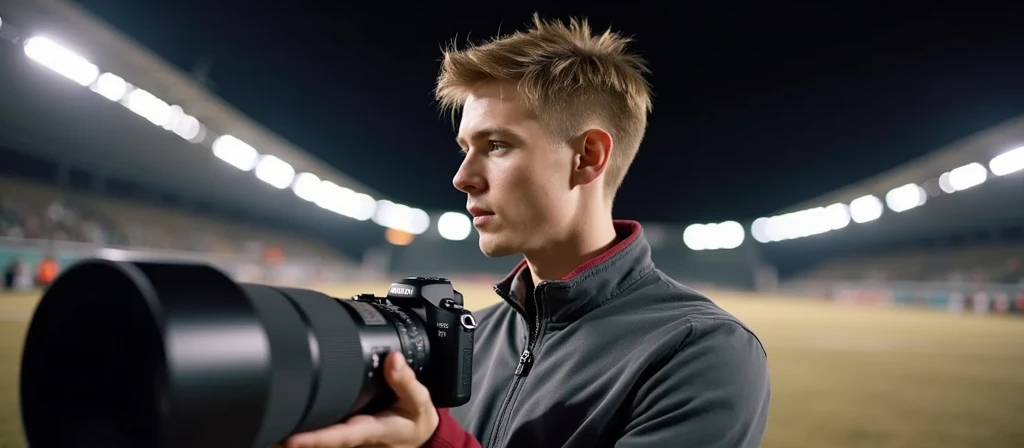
(591,284)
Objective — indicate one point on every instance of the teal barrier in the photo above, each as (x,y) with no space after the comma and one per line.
(974,298)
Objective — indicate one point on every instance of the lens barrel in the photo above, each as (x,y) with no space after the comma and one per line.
(144,354)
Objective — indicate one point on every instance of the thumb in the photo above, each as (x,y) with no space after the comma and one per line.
(413,397)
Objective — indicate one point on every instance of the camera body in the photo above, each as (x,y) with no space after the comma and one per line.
(436,340)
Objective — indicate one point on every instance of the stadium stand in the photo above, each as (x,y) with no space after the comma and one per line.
(981,264)
(39,221)
(38,211)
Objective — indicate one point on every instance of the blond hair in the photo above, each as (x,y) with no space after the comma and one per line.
(567,76)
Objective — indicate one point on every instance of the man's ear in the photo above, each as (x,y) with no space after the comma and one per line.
(593,151)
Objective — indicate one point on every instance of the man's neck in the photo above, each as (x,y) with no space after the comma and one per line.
(558,260)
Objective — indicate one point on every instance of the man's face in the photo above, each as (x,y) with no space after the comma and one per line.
(515,176)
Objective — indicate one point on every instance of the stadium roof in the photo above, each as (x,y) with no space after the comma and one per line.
(980,147)
(103,135)
(987,207)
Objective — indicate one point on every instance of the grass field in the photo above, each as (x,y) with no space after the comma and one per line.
(841,377)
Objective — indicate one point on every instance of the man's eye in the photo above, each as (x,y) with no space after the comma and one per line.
(497,146)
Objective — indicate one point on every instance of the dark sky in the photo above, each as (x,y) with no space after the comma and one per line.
(754,109)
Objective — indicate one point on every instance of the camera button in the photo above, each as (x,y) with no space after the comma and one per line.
(468,321)
(450,304)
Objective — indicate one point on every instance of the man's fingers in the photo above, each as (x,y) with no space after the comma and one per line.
(366,430)
(361,430)
(412,395)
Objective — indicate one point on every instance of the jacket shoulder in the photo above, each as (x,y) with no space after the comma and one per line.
(678,306)
(708,381)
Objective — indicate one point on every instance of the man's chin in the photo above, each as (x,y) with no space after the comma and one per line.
(495,248)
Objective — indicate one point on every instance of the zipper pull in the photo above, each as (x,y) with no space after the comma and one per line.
(525,362)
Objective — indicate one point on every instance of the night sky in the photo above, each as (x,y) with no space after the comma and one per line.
(754,110)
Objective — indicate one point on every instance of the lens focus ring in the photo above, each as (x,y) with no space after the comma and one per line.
(411,333)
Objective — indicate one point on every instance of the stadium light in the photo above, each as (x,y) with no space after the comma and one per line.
(730,235)
(346,201)
(328,195)
(401,217)
(1008,162)
(174,114)
(795,225)
(148,106)
(799,224)
(865,209)
(337,199)
(275,172)
(389,214)
(945,185)
(110,86)
(61,60)
(358,206)
(366,207)
(307,186)
(716,236)
(182,124)
(967,176)
(901,199)
(759,230)
(454,226)
(189,128)
(235,152)
(694,236)
(837,216)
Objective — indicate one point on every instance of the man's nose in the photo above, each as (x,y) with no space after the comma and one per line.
(469,178)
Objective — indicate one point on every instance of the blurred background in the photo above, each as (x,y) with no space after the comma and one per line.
(849,182)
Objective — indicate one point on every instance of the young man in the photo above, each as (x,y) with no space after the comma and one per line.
(592,346)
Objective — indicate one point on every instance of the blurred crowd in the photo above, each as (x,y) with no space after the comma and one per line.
(43,227)
(60,221)
(39,212)
(985,264)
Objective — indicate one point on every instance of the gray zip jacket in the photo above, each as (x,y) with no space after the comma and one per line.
(614,355)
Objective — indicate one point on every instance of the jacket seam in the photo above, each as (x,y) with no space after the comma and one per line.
(694,322)
(662,360)
(627,285)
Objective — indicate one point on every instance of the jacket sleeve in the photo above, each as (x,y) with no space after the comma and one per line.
(449,434)
(712,392)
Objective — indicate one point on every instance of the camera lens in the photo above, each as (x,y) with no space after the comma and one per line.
(139,354)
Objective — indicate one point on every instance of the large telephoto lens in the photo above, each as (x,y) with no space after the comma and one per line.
(140,354)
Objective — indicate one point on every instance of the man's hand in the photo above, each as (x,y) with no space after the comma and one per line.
(408,424)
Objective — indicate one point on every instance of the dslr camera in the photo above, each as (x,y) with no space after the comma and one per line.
(168,355)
